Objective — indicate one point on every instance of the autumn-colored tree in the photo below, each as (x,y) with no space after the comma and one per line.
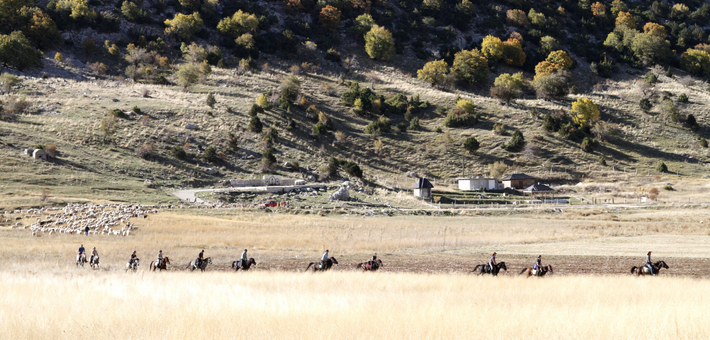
(470,67)
(696,62)
(513,53)
(239,23)
(330,17)
(625,19)
(560,58)
(585,112)
(598,9)
(379,43)
(42,30)
(537,18)
(492,48)
(618,6)
(79,9)
(517,17)
(655,29)
(507,86)
(184,25)
(433,72)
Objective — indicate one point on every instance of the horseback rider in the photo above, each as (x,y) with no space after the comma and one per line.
(160,258)
(94,255)
(538,264)
(649,264)
(200,258)
(323,259)
(81,252)
(243,259)
(492,262)
(372,261)
(134,257)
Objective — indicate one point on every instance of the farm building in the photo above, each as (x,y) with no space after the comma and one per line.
(422,188)
(477,183)
(537,190)
(518,181)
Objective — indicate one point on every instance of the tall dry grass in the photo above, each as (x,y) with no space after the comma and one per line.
(262,305)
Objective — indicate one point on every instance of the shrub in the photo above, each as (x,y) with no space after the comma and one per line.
(333,55)
(379,44)
(8,81)
(605,68)
(254,110)
(696,62)
(465,105)
(460,118)
(367,97)
(133,13)
(497,169)
(210,154)
(602,161)
(145,151)
(507,86)
(263,102)
(703,142)
(188,74)
(290,88)
(553,86)
(433,72)
(645,105)
(661,167)
(52,150)
(470,67)
(668,187)
(513,53)
(16,51)
(352,169)
(516,142)
(650,78)
(692,123)
(670,111)
(588,144)
(178,152)
(414,124)
(499,129)
(330,17)
(332,167)
(471,145)
(492,48)
(585,112)
(238,24)
(683,98)
(438,129)
(255,125)
(59,57)
(109,125)
(379,126)
(183,26)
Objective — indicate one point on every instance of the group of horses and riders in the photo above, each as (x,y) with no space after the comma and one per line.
(326,263)
(93,260)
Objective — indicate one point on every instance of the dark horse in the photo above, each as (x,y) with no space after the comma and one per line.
(241,264)
(370,265)
(163,265)
(318,267)
(537,272)
(486,269)
(643,270)
(194,265)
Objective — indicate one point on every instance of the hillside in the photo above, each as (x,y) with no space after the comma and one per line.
(69,99)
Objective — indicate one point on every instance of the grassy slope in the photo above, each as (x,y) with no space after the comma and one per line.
(71,111)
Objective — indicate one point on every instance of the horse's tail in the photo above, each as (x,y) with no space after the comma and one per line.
(189,265)
(633,269)
(359,266)
(150,266)
(309,266)
(234,264)
(523,271)
(476,268)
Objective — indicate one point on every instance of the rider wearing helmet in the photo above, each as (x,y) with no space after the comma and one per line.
(649,264)
(134,257)
(538,263)
(81,252)
(372,261)
(323,259)
(492,262)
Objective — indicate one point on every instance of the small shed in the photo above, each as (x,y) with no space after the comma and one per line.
(477,183)
(537,190)
(422,188)
(518,181)
(39,153)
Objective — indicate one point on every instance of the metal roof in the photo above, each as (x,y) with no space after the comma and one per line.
(517,176)
(538,188)
(422,183)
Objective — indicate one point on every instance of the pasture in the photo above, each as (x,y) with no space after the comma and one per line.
(424,289)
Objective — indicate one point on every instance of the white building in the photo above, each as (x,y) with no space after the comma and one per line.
(422,188)
(478,183)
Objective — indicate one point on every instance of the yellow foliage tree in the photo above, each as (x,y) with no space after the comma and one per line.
(598,9)
(625,19)
(492,48)
(238,24)
(513,53)
(184,25)
(330,17)
(561,58)
(379,43)
(585,112)
(433,72)
(655,29)
(696,62)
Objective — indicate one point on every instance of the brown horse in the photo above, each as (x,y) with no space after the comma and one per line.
(537,272)
(243,265)
(643,270)
(370,265)
(318,267)
(163,265)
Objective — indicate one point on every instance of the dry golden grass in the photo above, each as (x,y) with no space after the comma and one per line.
(77,304)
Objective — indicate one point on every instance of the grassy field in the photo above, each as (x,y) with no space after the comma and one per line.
(71,304)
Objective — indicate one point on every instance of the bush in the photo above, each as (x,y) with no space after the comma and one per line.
(661,167)
(184,26)
(290,88)
(668,187)
(692,123)
(332,167)
(460,118)
(588,144)
(178,152)
(210,101)
(255,125)
(605,69)
(145,151)
(433,72)
(499,129)
(333,55)
(367,98)
(470,67)
(703,142)
(669,111)
(210,154)
(8,81)
(507,86)
(585,112)
(497,169)
(238,24)
(268,160)
(683,98)
(402,127)
(645,105)
(466,105)
(650,78)
(254,110)
(516,142)
(471,145)
(414,124)
(602,161)
(379,126)
(16,51)
(262,102)
(352,169)
(379,44)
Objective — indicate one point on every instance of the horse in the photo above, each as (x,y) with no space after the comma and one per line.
(243,265)
(370,265)
(486,269)
(162,265)
(94,262)
(643,270)
(193,265)
(318,267)
(80,260)
(537,272)
(133,266)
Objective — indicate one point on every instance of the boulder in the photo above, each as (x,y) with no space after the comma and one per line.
(211,171)
(191,127)
(341,194)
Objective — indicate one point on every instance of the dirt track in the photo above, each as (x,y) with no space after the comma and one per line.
(562,265)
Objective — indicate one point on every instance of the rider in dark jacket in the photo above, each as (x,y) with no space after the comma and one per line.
(134,257)
(200,257)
